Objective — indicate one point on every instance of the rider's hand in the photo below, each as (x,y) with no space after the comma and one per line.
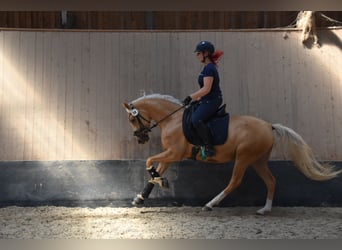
(187,100)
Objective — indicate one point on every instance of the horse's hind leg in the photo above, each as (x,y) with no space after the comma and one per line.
(262,169)
(239,170)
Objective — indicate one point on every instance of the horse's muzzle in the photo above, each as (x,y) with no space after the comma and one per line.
(142,135)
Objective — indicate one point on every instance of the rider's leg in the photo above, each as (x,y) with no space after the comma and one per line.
(203,113)
(206,137)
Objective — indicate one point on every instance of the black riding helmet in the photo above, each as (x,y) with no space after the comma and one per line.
(205,46)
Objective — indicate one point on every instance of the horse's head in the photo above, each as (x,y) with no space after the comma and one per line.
(140,124)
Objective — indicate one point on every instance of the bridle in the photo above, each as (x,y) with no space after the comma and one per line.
(142,132)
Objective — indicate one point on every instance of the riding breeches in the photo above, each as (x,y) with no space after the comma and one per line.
(204,111)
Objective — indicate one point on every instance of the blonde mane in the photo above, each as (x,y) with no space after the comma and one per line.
(159,96)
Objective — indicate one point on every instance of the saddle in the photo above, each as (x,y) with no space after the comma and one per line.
(217,124)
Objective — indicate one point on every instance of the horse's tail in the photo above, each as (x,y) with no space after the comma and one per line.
(301,154)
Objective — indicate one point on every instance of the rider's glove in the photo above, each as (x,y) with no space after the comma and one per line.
(187,100)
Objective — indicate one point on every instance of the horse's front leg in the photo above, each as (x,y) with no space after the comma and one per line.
(155,179)
(164,159)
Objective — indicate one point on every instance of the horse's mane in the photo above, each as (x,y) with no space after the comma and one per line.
(159,96)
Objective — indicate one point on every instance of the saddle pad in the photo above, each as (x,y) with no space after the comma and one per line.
(218,126)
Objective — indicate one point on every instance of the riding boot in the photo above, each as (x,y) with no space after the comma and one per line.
(206,137)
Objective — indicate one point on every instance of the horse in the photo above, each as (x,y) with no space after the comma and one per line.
(250,143)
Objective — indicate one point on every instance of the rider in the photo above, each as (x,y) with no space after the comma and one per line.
(209,95)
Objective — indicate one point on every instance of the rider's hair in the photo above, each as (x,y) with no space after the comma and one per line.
(215,57)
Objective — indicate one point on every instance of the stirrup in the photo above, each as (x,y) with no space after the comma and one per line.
(209,150)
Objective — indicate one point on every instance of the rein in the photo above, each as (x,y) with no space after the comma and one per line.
(136,113)
(175,111)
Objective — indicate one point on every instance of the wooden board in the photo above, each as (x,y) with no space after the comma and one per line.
(61,92)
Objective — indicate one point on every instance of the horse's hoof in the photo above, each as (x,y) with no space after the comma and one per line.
(161,181)
(207,208)
(263,211)
(137,201)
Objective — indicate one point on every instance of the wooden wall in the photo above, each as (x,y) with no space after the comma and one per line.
(160,20)
(61,92)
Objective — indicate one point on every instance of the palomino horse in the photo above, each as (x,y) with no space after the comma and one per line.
(250,142)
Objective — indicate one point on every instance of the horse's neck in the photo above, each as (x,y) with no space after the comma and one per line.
(159,109)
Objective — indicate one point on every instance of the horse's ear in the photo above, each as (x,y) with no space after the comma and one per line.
(126,106)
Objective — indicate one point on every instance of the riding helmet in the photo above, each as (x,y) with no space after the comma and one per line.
(205,46)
